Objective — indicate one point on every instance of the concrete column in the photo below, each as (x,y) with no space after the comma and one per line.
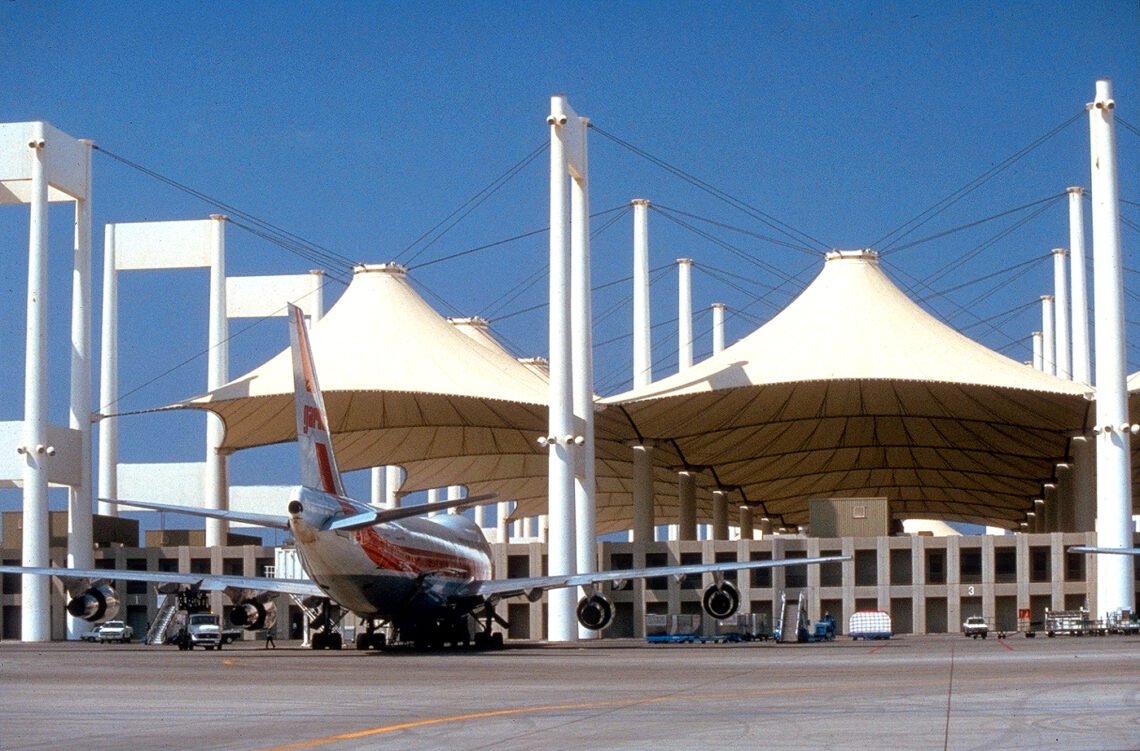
(989,601)
(35,611)
(1061,311)
(1115,585)
(1084,484)
(720,515)
(217,373)
(1066,503)
(745,522)
(502,511)
(80,552)
(1048,340)
(953,583)
(393,479)
(643,502)
(1040,517)
(378,485)
(1038,351)
(642,336)
(718,327)
(684,313)
(686,506)
(918,583)
(1052,508)
(1082,369)
(432,498)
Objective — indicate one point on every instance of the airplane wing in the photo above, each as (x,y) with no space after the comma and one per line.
(205,582)
(1115,551)
(534,586)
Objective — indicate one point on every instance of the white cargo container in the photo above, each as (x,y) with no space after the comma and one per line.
(870,624)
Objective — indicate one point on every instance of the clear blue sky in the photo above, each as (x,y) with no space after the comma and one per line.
(361,126)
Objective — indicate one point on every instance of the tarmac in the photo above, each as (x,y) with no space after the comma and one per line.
(909,692)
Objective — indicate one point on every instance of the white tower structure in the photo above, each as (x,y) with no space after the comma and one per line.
(1048,340)
(718,328)
(642,336)
(181,245)
(1114,476)
(684,313)
(40,164)
(1082,367)
(567,158)
(1062,344)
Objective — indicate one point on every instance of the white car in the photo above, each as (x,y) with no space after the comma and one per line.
(111,631)
(976,626)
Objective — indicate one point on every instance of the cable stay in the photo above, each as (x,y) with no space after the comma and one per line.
(765,218)
(468,206)
(271,232)
(938,207)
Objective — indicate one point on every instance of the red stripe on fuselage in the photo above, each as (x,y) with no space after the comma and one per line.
(386,554)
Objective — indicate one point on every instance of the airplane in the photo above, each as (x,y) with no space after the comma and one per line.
(429,579)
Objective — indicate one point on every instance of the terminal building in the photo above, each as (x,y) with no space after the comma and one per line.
(850,412)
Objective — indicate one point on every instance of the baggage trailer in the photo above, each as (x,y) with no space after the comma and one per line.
(1072,622)
(673,628)
(744,627)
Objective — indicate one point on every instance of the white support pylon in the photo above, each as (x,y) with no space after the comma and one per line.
(566,158)
(1082,367)
(684,313)
(642,332)
(217,373)
(1115,587)
(1062,343)
(35,609)
(1048,341)
(718,327)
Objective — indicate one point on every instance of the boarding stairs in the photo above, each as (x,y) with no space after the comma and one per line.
(793,619)
(166,612)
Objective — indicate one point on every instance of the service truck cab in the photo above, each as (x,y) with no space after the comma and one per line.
(202,630)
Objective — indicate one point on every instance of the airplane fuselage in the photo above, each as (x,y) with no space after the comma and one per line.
(402,569)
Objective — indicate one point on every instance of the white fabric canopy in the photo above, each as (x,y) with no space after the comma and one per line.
(854,390)
(406,386)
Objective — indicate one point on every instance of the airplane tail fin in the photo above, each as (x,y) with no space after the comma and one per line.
(314,442)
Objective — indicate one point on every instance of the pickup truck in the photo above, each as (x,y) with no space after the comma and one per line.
(976,626)
(110,631)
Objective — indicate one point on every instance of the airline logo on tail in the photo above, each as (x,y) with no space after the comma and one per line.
(318,465)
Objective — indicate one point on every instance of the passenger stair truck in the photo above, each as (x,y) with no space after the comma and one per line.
(792,625)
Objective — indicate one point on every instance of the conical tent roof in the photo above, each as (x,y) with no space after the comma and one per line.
(854,390)
(406,386)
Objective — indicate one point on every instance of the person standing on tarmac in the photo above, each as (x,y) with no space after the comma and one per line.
(269,643)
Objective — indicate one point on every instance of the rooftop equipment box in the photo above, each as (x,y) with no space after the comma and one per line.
(849,517)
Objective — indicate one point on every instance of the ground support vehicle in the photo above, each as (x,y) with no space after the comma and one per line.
(201,630)
(1072,622)
(744,627)
(674,628)
(111,631)
(975,626)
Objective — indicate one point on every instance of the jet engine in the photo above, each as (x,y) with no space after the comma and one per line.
(96,604)
(721,600)
(255,614)
(595,612)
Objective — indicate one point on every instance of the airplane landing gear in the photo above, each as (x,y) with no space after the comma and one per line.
(325,628)
(370,639)
(487,639)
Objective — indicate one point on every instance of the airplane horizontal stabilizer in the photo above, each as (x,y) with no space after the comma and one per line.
(260,520)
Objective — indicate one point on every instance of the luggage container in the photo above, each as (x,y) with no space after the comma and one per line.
(870,624)
(744,627)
